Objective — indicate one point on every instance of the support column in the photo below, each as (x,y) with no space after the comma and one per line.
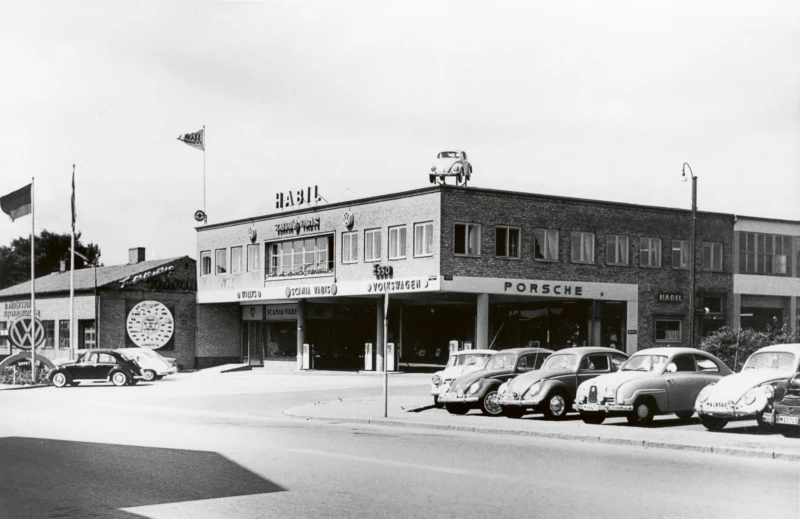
(482,322)
(793,313)
(736,318)
(378,348)
(301,331)
(632,323)
(399,344)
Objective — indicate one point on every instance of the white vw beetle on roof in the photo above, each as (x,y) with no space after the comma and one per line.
(747,394)
(459,363)
(451,164)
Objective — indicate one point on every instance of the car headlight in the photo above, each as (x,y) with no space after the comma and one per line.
(435,380)
(749,397)
(703,396)
(503,389)
(769,391)
(433,169)
(533,390)
(473,388)
(457,167)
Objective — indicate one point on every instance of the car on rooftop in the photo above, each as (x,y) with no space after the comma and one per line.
(451,164)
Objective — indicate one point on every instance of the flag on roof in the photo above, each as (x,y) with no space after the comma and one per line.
(195,140)
(18,203)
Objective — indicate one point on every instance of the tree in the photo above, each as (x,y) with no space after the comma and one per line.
(734,346)
(50,249)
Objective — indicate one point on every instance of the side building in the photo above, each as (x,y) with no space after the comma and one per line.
(469,266)
(150,303)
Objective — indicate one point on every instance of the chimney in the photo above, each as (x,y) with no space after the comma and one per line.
(135,255)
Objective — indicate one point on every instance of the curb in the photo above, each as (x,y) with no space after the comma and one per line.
(19,386)
(727,451)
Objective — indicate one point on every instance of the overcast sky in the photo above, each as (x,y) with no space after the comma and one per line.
(594,100)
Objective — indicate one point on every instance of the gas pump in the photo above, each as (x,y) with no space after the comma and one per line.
(454,346)
(467,345)
(391,357)
(308,356)
(368,356)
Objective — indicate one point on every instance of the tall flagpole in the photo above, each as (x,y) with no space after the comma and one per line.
(204,175)
(32,332)
(72,272)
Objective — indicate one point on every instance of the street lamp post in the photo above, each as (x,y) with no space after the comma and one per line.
(691,251)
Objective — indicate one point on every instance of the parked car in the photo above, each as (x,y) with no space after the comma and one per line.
(747,394)
(652,381)
(551,389)
(459,363)
(451,164)
(784,414)
(97,366)
(479,388)
(154,366)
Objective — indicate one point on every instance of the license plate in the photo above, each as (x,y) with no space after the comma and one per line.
(791,420)
(590,407)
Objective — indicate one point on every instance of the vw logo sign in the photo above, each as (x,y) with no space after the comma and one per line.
(334,289)
(252,233)
(348,219)
(26,333)
(288,292)
(200,215)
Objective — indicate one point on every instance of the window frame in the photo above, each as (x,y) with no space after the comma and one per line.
(650,251)
(467,227)
(353,254)
(557,240)
(396,230)
(49,334)
(712,246)
(278,257)
(257,260)
(234,270)
(63,333)
(658,320)
(206,254)
(216,261)
(373,232)
(427,236)
(507,245)
(581,235)
(616,248)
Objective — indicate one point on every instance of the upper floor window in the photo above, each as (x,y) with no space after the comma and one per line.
(236,260)
(301,257)
(616,249)
(372,245)
(222,263)
(349,247)
(397,242)
(205,263)
(764,253)
(680,254)
(3,333)
(253,261)
(712,257)
(650,252)
(423,239)
(467,239)
(545,244)
(582,247)
(507,242)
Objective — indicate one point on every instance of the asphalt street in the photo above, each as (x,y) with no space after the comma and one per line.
(200,446)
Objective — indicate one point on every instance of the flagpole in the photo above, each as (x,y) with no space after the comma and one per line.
(204,174)
(72,273)
(32,332)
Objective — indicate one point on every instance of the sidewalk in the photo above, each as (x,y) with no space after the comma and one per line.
(737,439)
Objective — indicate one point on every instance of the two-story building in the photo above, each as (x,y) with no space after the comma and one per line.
(483,267)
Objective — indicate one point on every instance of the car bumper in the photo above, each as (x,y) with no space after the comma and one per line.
(523,402)
(726,414)
(775,418)
(604,408)
(455,399)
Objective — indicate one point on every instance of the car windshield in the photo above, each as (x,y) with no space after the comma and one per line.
(501,360)
(448,155)
(470,359)
(781,361)
(645,363)
(562,361)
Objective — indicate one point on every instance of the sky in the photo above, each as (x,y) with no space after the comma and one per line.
(601,100)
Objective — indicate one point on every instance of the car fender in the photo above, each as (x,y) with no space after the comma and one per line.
(550,385)
(653,387)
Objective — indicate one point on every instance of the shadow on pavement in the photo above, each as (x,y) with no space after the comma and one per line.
(59,479)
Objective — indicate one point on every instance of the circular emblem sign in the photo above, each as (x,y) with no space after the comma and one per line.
(252,233)
(25,333)
(150,324)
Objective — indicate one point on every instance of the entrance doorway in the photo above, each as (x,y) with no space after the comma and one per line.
(253,343)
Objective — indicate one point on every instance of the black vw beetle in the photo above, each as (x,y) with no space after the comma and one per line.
(479,388)
(785,413)
(97,366)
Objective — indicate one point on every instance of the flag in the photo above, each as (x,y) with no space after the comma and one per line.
(18,203)
(195,140)
(74,213)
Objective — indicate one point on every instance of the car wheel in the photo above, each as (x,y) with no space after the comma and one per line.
(514,412)
(456,408)
(764,426)
(59,380)
(555,406)
(684,415)
(489,404)
(459,178)
(119,379)
(712,423)
(158,377)
(149,375)
(436,403)
(643,412)
(593,419)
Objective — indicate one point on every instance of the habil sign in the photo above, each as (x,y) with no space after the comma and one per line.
(297,198)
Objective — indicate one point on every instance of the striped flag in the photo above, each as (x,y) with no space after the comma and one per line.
(18,203)
(195,140)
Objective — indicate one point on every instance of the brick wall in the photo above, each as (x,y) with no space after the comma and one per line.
(219,335)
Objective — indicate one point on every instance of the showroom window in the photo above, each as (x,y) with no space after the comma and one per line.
(205,263)
(236,260)
(302,257)
(372,245)
(582,247)
(616,249)
(253,261)
(222,263)
(507,242)
(680,254)
(712,257)
(397,242)
(668,330)
(764,253)
(650,252)
(349,247)
(423,239)
(545,244)
(49,334)
(467,239)
(63,334)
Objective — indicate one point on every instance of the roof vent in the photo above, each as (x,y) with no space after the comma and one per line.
(135,255)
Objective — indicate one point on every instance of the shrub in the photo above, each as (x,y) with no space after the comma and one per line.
(733,347)
(22,377)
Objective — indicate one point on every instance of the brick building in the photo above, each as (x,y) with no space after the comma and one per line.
(111,308)
(482,267)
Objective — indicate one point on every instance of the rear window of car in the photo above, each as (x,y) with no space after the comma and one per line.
(106,358)
(595,363)
(707,365)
